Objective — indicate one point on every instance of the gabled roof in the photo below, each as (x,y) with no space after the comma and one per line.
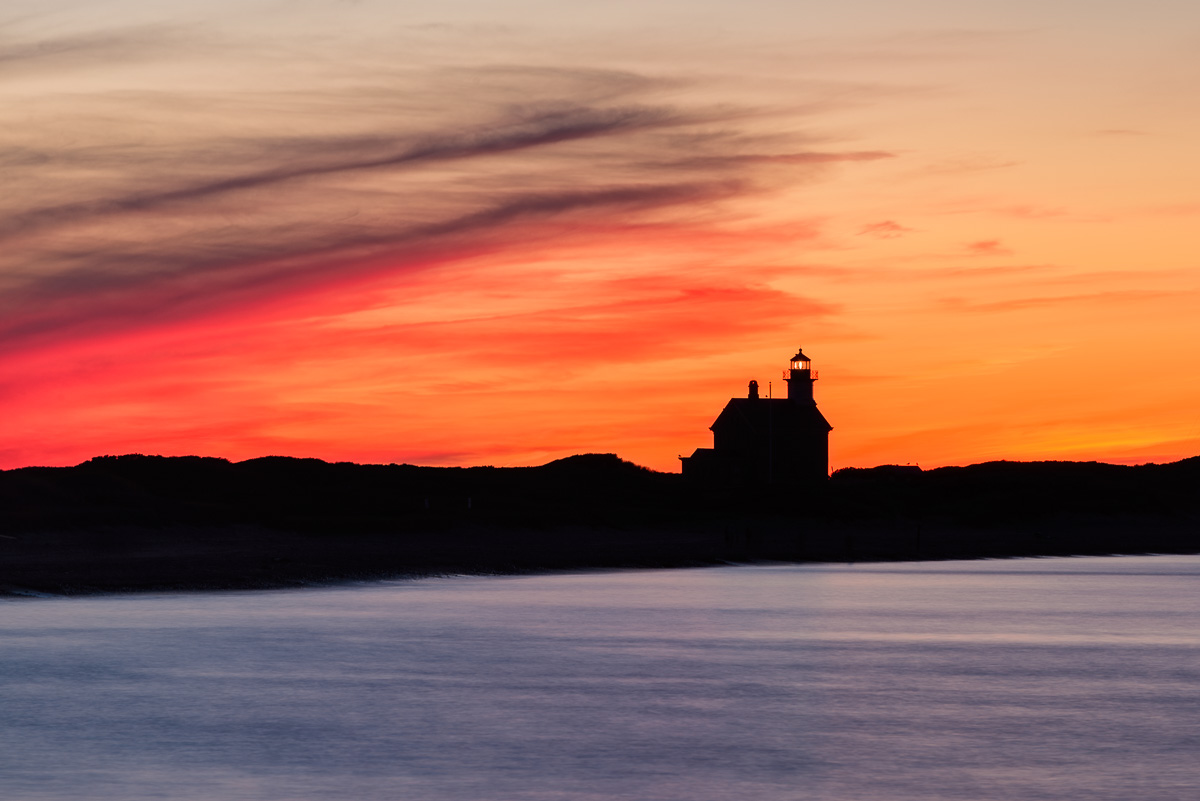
(761,414)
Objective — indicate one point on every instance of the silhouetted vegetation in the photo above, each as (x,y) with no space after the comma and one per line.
(150,522)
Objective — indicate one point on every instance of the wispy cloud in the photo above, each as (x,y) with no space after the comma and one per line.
(988,247)
(888,229)
(22,54)
(323,157)
(131,229)
(1117,298)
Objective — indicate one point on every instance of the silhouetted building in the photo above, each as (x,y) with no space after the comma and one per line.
(760,440)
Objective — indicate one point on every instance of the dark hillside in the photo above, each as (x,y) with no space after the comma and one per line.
(138,522)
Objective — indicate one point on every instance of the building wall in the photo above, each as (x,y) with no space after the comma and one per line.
(759,441)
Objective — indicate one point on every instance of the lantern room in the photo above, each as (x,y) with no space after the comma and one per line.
(800,361)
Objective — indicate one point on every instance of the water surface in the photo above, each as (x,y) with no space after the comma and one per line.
(1016,679)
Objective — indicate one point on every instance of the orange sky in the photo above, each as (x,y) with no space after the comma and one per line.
(506,232)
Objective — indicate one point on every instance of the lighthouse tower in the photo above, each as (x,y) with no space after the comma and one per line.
(756,440)
(800,378)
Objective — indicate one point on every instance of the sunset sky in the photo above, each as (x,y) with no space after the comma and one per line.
(504,232)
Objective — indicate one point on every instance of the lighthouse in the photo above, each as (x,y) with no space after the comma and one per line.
(800,378)
(767,441)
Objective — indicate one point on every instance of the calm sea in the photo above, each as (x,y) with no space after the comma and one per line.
(1021,679)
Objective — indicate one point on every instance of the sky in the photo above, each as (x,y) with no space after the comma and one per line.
(506,232)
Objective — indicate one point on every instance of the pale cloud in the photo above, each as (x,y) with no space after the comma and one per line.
(1102,299)
(988,247)
(888,229)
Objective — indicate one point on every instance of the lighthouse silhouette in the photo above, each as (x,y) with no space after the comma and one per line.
(760,440)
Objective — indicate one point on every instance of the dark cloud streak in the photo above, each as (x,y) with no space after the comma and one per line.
(101,47)
(153,219)
(547,128)
(100,297)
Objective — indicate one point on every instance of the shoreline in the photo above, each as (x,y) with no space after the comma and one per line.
(241,558)
(10,592)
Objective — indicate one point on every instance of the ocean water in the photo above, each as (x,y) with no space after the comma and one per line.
(1019,679)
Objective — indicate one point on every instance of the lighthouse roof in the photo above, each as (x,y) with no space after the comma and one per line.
(762,415)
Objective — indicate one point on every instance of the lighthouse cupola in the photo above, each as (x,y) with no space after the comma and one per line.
(801,362)
(800,378)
